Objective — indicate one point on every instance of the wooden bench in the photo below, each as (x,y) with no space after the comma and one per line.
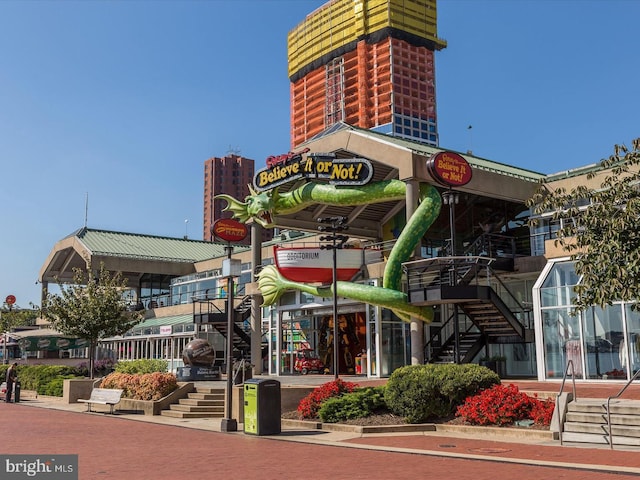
(103,396)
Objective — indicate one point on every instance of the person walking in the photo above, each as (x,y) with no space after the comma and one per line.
(12,376)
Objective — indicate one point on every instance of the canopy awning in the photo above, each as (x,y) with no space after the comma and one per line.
(172,320)
(47,339)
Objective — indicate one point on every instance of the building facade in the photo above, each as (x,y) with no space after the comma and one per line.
(367,63)
(232,175)
(515,302)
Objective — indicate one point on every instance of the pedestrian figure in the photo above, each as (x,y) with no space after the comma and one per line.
(12,376)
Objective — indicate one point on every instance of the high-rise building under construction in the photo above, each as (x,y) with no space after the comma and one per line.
(368,63)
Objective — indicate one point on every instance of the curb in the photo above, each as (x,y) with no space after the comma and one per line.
(509,432)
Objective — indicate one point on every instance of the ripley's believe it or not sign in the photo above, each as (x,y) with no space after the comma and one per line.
(449,168)
(292,166)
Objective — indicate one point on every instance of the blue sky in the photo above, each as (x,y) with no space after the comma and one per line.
(121,102)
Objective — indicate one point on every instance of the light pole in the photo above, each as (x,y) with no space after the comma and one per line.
(335,225)
(231,231)
(451,198)
(230,269)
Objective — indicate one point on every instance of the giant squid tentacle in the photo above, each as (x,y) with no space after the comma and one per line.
(272,285)
(423,217)
(263,206)
(312,193)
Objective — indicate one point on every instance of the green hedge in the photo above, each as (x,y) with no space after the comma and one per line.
(142,366)
(357,404)
(420,392)
(44,379)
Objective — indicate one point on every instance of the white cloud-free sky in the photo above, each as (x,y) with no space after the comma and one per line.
(120,103)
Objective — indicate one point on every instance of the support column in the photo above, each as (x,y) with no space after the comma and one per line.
(256,301)
(417,326)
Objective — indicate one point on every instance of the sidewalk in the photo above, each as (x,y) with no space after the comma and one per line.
(482,444)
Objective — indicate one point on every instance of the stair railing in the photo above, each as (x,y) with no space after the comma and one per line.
(613,397)
(575,396)
(241,366)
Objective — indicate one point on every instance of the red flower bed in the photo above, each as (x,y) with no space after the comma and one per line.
(309,405)
(505,405)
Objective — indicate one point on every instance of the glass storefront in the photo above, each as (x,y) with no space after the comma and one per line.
(599,343)
(301,331)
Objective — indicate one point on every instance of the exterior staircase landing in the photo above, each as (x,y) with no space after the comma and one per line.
(203,403)
(586,422)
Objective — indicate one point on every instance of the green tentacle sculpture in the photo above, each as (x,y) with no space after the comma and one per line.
(263,206)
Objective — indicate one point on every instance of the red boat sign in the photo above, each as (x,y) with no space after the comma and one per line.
(230,230)
(449,168)
(313,264)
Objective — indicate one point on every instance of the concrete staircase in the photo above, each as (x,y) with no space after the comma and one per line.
(203,403)
(586,422)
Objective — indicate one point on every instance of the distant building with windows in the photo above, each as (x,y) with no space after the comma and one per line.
(230,174)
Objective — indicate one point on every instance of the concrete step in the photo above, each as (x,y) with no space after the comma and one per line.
(178,414)
(586,422)
(200,403)
(601,428)
(210,390)
(206,396)
(599,439)
(616,419)
(196,409)
(598,405)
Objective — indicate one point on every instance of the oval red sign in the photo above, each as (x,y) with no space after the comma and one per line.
(230,230)
(10,300)
(449,168)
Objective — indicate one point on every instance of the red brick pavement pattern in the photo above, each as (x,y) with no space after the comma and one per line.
(532,452)
(110,447)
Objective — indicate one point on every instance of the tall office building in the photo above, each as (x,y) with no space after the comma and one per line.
(368,63)
(232,175)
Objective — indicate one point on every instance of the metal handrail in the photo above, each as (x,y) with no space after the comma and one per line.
(575,395)
(241,365)
(609,428)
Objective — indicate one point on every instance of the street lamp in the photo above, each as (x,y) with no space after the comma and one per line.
(334,225)
(230,268)
(451,198)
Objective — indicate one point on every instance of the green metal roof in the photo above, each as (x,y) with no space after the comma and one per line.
(150,247)
(164,321)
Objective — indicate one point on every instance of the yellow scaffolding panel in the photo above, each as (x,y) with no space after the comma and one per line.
(338,23)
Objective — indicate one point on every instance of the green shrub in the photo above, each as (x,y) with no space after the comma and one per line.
(35,377)
(309,405)
(357,404)
(53,387)
(142,366)
(420,392)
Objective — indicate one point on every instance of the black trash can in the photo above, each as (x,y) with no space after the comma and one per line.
(16,391)
(262,407)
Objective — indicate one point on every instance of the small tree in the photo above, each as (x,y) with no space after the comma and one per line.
(16,317)
(602,238)
(11,317)
(91,308)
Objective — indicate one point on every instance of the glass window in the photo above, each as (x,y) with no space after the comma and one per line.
(603,334)
(557,288)
(561,338)
(630,350)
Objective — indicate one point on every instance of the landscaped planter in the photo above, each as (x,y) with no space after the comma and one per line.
(75,388)
(154,407)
